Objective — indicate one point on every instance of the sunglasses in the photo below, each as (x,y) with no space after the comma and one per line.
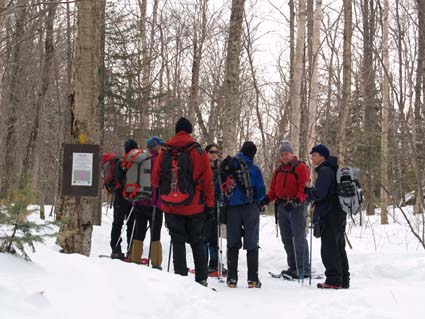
(213,152)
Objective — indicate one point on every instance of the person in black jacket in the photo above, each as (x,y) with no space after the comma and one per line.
(122,209)
(329,220)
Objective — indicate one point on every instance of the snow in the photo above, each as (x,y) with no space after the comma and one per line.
(387,281)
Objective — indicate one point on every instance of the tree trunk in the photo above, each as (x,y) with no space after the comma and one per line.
(370,119)
(198,47)
(29,170)
(78,213)
(346,89)
(314,81)
(231,79)
(385,117)
(14,93)
(297,83)
(419,112)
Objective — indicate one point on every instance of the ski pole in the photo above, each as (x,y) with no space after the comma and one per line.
(169,255)
(311,250)
(291,227)
(276,218)
(131,237)
(152,233)
(124,226)
(304,244)
(220,252)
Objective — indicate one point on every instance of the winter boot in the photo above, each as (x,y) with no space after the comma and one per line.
(254,284)
(118,255)
(156,254)
(232,266)
(324,285)
(136,252)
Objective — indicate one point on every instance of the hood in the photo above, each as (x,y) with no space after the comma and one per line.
(248,160)
(331,162)
(181,139)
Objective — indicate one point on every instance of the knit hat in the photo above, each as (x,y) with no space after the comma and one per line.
(321,149)
(184,125)
(154,141)
(129,145)
(285,147)
(249,149)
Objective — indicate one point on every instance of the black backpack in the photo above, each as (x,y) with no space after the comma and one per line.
(232,175)
(176,186)
(291,170)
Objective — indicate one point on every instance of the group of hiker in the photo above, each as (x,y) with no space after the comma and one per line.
(196,192)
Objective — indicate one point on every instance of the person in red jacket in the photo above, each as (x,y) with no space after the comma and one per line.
(287,188)
(185,180)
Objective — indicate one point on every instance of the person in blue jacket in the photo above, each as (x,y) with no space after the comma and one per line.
(243,216)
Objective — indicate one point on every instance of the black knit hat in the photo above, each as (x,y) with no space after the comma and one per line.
(249,149)
(184,125)
(321,149)
(129,145)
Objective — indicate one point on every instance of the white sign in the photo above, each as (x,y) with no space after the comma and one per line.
(82,169)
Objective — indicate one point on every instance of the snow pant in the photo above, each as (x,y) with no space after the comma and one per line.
(188,229)
(122,208)
(334,256)
(243,221)
(143,215)
(292,224)
(211,234)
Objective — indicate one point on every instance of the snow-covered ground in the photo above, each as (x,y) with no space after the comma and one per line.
(387,281)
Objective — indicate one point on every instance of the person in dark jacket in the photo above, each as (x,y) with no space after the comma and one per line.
(149,211)
(287,188)
(328,219)
(186,223)
(122,208)
(243,219)
(213,224)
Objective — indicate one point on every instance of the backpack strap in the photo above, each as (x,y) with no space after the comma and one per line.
(294,165)
(126,163)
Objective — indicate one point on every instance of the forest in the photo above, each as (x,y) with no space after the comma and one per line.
(348,74)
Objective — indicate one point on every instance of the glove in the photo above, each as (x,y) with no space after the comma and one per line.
(264,201)
(318,229)
(210,213)
(296,202)
(261,208)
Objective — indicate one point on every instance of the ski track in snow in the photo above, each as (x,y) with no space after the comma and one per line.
(387,281)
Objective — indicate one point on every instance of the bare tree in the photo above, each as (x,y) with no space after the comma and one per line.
(346,88)
(78,214)
(385,116)
(298,76)
(231,78)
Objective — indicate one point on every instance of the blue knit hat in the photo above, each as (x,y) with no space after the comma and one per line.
(154,141)
(321,149)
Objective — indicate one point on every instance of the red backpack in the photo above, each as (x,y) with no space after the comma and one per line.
(109,161)
(177,187)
